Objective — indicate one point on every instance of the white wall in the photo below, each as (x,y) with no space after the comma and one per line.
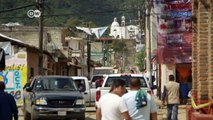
(165,72)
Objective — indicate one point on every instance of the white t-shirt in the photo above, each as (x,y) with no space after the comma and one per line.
(112,106)
(142,113)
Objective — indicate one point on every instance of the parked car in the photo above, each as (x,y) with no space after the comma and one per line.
(85,87)
(53,97)
(126,77)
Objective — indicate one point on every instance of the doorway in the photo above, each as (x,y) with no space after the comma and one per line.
(184,77)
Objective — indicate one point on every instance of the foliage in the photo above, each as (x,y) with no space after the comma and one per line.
(134,3)
(59,12)
(118,46)
(19,15)
(140,60)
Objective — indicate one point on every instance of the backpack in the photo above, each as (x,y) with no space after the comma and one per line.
(141,99)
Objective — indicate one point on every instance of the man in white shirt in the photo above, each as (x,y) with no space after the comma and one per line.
(147,108)
(111,106)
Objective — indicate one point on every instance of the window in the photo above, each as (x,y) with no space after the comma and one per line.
(126,79)
(55,84)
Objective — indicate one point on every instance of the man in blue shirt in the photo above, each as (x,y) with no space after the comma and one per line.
(8,107)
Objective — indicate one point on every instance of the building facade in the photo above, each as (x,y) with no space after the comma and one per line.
(202,64)
(53,42)
(21,62)
(169,39)
(129,36)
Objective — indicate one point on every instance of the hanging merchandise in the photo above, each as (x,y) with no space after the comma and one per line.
(174,28)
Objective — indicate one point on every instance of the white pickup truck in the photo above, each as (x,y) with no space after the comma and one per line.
(126,77)
(88,91)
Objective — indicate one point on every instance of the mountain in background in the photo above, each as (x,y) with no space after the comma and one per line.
(60,12)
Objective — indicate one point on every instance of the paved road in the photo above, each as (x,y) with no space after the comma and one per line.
(181,113)
(90,114)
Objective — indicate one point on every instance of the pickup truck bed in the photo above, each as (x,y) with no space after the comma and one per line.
(126,77)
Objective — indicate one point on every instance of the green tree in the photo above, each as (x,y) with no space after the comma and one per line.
(140,60)
(118,46)
(57,12)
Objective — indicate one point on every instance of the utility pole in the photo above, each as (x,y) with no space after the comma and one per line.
(88,54)
(90,31)
(148,41)
(40,65)
(139,24)
(104,50)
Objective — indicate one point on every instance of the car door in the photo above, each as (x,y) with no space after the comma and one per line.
(86,93)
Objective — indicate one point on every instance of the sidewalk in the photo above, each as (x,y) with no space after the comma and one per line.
(181,113)
(162,110)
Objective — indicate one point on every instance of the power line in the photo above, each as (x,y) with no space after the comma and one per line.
(83,13)
(5,2)
(12,9)
(91,13)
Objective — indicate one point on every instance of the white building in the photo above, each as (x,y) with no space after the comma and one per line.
(123,31)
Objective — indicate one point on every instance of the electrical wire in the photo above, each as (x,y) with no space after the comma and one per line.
(13,9)
(83,13)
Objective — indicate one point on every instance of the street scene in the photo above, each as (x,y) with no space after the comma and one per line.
(91,115)
(111,59)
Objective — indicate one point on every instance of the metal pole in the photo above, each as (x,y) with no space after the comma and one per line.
(148,42)
(150,46)
(104,50)
(88,56)
(139,24)
(123,61)
(40,65)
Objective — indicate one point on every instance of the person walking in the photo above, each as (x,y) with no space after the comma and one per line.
(8,107)
(171,95)
(111,106)
(140,104)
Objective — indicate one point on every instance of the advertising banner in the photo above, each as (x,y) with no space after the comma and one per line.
(15,73)
(174,28)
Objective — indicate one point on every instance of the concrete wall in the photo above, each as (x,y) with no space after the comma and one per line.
(32,60)
(166,70)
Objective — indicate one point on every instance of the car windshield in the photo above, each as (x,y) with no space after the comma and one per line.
(55,84)
(97,77)
(126,79)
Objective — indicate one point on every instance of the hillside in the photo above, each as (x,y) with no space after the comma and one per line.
(58,12)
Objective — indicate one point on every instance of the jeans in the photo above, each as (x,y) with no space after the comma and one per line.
(172,110)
